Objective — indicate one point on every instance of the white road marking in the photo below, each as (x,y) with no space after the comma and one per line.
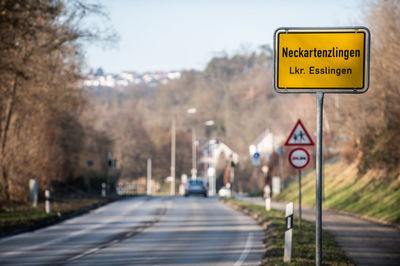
(93,250)
(71,235)
(245,251)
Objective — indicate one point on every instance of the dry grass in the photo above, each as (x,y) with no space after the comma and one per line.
(372,194)
(303,248)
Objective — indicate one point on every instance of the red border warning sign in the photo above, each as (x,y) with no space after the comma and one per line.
(299,158)
(299,136)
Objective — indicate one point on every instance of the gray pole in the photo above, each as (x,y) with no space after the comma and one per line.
(109,158)
(232,179)
(299,199)
(281,165)
(323,183)
(195,151)
(194,168)
(318,224)
(256,179)
(149,176)
(173,148)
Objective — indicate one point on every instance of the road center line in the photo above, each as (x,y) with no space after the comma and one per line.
(245,251)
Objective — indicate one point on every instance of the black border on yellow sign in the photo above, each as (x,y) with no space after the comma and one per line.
(297,30)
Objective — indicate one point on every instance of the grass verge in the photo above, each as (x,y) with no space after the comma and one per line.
(373,194)
(22,218)
(303,248)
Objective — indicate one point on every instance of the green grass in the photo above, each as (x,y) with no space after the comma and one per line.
(372,194)
(25,217)
(303,248)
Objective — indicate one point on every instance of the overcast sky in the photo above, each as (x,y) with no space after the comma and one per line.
(186,34)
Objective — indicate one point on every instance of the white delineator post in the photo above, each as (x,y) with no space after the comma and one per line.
(47,203)
(33,192)
(268,204)
(267,196)
(103,190)
(287,257)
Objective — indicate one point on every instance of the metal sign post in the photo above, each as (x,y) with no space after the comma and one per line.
(299,158)
(299,199)
(256,162)
(318,220)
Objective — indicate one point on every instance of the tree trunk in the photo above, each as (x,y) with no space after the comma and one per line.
(4,170)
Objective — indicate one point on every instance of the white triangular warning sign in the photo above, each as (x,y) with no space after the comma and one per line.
(299,136)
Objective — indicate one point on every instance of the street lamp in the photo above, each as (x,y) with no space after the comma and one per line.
(192,111)
(210,167)
(173,147)
(173,151)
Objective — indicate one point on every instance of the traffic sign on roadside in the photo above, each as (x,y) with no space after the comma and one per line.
(299,158)
(321,59)
(299,136)
(256,159)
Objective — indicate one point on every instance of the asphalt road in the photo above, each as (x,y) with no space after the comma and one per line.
(364,242)
(142,231)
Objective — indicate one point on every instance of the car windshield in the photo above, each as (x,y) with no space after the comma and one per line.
(195,182)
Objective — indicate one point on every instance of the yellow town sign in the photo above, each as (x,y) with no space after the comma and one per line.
(321,59)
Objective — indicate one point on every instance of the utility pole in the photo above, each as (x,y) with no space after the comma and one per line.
(173,147)
(149,176)
(280,151)
(194,168)
(109,164)
(193,111)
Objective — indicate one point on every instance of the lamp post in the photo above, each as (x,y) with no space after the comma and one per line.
(173,147)
(193,111)
(210,167)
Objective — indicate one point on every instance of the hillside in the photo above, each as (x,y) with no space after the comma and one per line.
(372,194)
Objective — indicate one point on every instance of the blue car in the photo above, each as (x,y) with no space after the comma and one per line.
(195,187)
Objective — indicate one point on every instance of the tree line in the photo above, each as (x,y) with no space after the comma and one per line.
(42,132)
(50,127)
(237,93)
